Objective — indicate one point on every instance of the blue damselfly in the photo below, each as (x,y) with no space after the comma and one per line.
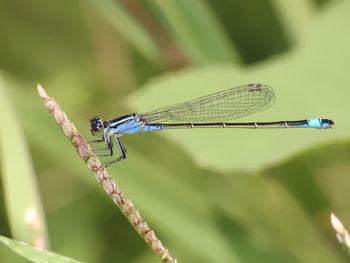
(211,111)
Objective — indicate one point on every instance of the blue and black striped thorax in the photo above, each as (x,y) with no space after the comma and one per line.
(129,124)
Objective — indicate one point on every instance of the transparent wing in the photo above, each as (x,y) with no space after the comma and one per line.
(220,106)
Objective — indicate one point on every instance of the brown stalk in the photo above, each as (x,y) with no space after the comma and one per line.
(109,185)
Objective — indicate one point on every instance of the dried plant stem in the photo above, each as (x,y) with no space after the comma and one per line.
(124,204)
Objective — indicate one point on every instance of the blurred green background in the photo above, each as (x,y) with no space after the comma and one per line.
(210,195)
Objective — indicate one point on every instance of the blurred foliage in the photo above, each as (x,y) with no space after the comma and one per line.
(33,254)
(210,195)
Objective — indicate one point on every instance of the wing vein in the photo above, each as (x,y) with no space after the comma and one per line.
(220,106)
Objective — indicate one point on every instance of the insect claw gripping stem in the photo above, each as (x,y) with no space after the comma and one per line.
(124,204)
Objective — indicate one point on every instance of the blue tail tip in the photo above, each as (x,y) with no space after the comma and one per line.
(327,123)
(320,123)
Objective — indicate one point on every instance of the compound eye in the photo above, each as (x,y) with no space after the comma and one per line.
(95,119)
(96,126)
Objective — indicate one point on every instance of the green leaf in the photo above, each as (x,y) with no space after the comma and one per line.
(258,209)
(34,254)
(311,82)
(195,29)
(294,16)
(130,28)
(25,215)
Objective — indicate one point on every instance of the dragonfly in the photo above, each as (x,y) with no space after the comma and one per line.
(210,111)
